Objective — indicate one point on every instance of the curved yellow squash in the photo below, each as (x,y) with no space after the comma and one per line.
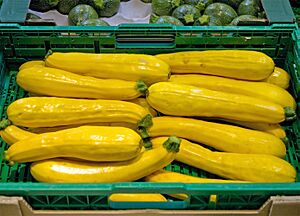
(167,176)
(239,64)
(30,64)
(143,102)
(60,83)
(143,197)
(261,90)
(274,129)
(222,137)
(92,143)
(245,167)
(132,67)
(13,134)
(279,77)
(61,170)
(57,128)
(186,100)
(51,111)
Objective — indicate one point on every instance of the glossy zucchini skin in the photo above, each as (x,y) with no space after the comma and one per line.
(30,64)
(261,90)
(252,65)
(91,143)
(37,112)
(12,134)
(143,197)
(185,100)
(279,77)
(242,167)
(274,129)
(222,137)
(168,176)
(59,83)
(246,167)
(62,170)
(130,67)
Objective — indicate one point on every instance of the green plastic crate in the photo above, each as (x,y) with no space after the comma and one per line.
(277,11)
(20,44)
(13,10)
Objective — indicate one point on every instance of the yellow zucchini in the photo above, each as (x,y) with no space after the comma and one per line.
(62,170)
(222,137)
(12,134)
(30,64)
(57,128)
(239,64)
(60,83)
(186,100)
(51,111)
(274,129)
(92,143)
(261,90)
(167,176)
(131,67)
(279,77)
(143,102)
(143,197)
(245,167)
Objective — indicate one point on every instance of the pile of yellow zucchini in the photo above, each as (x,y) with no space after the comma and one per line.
(93,118)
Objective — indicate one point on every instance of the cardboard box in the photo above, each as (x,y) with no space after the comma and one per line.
(275,206)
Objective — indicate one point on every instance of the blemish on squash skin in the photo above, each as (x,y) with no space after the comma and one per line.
(186,60)
(144,61)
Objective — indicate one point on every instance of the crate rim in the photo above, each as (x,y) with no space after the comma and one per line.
(36,188)
(281,13)
(205,189)
(147,28)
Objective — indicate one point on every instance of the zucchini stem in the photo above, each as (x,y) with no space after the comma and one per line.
(146,121)
(200,6)
(285,140)
(49,53)
(189,18)
(172,144)
(142,87)
(290,114)
(4,124)
(204,20)
(143,132)
(100,4)
(153,18)
(147,143)
(6,159)
(143,124)
(175,3)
